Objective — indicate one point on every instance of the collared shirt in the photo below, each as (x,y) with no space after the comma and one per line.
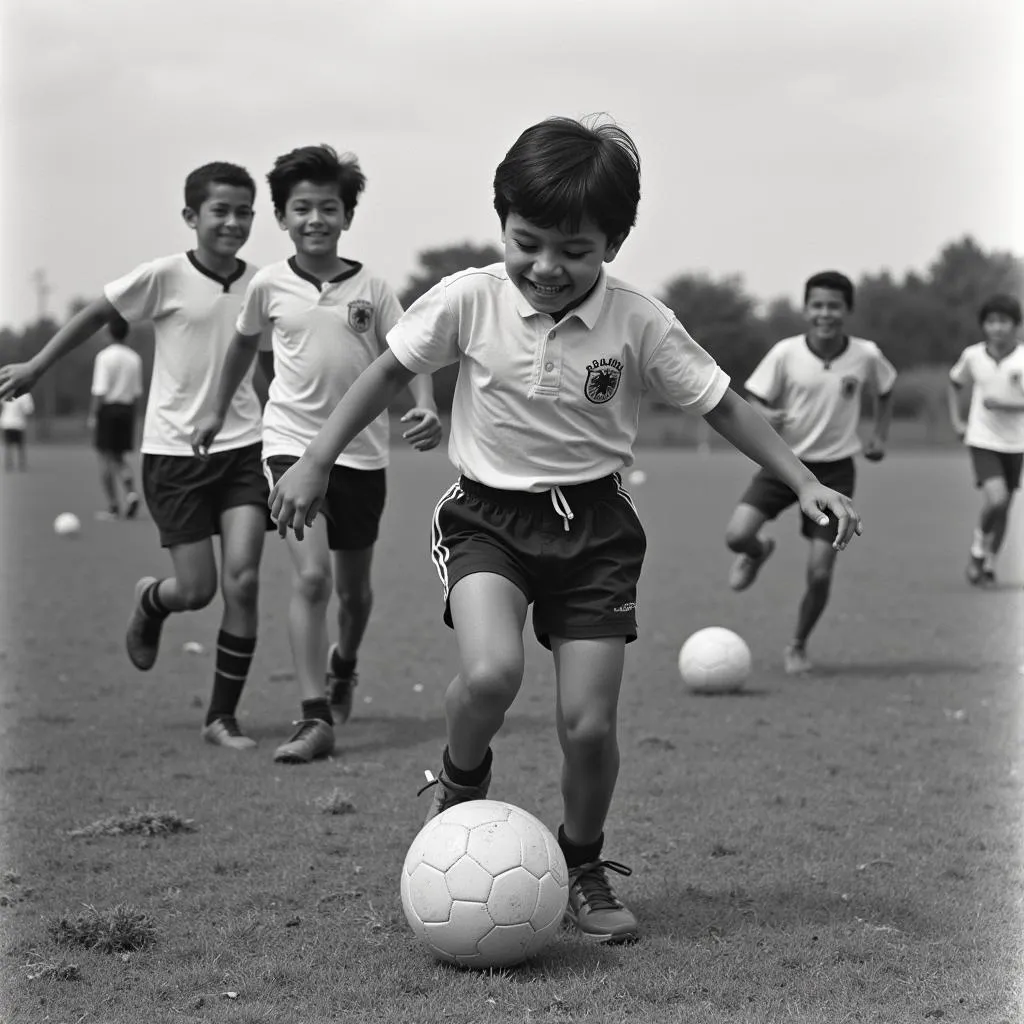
(540,404)
(117,374)
(325,334)
(994,429)
(193,313)
(821,397)
(14,412)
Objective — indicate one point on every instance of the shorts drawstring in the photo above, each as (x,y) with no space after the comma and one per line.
(561,506)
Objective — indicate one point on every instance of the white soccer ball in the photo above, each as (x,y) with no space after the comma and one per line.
(484,885)
(67,524)
(714,660)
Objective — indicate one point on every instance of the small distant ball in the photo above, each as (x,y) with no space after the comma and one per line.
(714,660)
(637,478)
(485,885)
(67,524)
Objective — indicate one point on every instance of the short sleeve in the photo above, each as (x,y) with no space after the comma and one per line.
(766,382)
(138,295)
(137,386)
(253,317)
(684,374)
(389,312)
(28,406)
(99,376)
(884,373)
(960,374)
(426,337)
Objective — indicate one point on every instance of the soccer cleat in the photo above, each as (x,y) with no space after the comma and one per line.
(131,505)
(107,515)
(312,739)
(746,567)
(796,661)
(594,909)
(224,732)
(143,637)
(339,689)
(448,793)
(988,577)
(975,571)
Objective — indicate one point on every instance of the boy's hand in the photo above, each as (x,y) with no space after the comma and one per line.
(816,500)
(205,433)
(427,432)
(297,497)
(874,450)
(17,379)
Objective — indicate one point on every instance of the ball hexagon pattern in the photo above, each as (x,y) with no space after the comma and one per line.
(484,885)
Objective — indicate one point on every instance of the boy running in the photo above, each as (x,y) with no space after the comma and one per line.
(330,317)
(991,373)
(553,357)
(193,300)
(14,414)
(810,388)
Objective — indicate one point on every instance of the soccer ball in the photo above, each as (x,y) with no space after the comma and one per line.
(66,524)
(484,885)
(714,660)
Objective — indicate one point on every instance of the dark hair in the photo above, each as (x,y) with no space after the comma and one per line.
(833,281)
(118,327)
(320,165)
(561,170)
(197,184)
(1003,305)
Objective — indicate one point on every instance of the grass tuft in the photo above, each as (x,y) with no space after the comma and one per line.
(136,823)
(335,802)
(124,928)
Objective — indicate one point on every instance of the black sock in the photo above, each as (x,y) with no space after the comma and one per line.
(234,656)
(577,856)
(128,483)
(151,603)
(343,668)
(318,708)
(461,777)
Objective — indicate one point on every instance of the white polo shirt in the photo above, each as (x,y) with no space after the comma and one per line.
(821,398)
(538,404)
(14,412)
(193,313)
(325,334)
(117,375)
(996,430)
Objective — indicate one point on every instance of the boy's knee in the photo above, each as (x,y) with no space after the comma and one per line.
(354,600)
(819,577)
(738,536)
(242,586)
(196,594)
(313,585)
(493,680)
(588,734)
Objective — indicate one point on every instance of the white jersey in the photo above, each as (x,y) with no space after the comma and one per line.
(117,375)
(193,313)
(540,404)
(14,412)
(821,398)
(994,429)
(325,334)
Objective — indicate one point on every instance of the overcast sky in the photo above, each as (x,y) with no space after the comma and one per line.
(778,137)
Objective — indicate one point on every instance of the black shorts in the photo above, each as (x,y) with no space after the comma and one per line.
(353,505)
(186,495)
(770,496)
(14,437)
(115,428)
(582,580)
(988,464)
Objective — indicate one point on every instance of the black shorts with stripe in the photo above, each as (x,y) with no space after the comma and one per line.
(352,506)
(186,495)
(770,496)
(575,552)
(115,428)
(989,464)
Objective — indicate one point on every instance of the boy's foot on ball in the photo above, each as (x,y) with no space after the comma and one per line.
(594,909)
(448,794)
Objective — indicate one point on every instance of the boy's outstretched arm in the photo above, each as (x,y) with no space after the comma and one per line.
(241,352)
(426,433)
(744,429)
(18,378)
(875,448)
(296,497)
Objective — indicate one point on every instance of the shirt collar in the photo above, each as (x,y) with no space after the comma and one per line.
(588,312)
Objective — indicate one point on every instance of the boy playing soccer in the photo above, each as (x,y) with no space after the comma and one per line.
(809,388)
(553,357)
(116,388)
(14,414)
(193,300)
(330,317)
(991,373)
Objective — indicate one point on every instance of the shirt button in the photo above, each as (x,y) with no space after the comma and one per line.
(549,367)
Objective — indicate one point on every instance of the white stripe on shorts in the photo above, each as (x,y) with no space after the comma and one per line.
(438,549)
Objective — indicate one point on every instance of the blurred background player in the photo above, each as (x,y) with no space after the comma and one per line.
(810,388)
(988,375)
(330,317)
(14,414)
(192,299)
(116,389)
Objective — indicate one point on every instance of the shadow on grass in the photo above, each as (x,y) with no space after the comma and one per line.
(897,669)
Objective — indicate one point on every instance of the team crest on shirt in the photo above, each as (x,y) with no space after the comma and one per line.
(848,386)
(603,376)
(1015,379)
(360,315)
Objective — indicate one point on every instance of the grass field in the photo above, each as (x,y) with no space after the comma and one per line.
(841,848)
